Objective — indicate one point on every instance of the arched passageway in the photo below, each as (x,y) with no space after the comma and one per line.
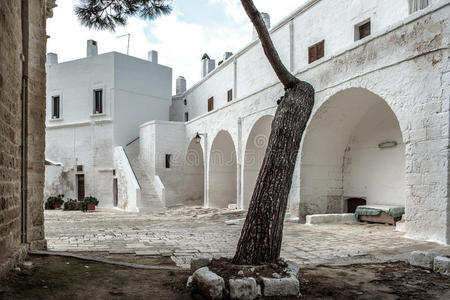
(193,185)
(353,148)
(254,156)
(222,171)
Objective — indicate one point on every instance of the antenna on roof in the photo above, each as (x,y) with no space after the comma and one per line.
(128,45)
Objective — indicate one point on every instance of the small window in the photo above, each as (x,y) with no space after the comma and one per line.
(316,51)
(56,105)
(185,101)
(98,101)
(416,5)
(79,168)
(186,116)
(230,95)
(114,172)
(211,104)
(168,156)
(362,30)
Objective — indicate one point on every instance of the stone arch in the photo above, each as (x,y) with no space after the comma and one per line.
(222,171)
(255,150)
(194,175)
(342,154)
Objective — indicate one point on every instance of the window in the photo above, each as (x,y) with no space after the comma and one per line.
(186,116)
(416,5)
(230,95)
(185,101)
(211,104)
(79,168)
(98,101)
(362,30)
(316,51)
(114,172)
(168,161)
(56,104)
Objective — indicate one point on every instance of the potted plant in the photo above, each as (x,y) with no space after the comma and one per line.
(89,203)
(72,204)
(54,202)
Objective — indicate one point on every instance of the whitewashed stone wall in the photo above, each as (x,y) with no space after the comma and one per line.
(129,191)
(404,62)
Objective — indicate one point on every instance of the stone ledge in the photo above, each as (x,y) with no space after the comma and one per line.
(330,219)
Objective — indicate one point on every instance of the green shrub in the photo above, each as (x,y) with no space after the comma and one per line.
(72,204)
(87,201)
(52,201)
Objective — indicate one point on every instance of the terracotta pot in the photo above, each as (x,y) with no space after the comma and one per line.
(91,207)
(57,206)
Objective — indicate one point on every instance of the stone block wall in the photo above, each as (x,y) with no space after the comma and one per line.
(11,62)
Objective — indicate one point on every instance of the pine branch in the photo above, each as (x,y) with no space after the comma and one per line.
(108,14)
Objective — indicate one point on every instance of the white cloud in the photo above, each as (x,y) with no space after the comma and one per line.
(180,44)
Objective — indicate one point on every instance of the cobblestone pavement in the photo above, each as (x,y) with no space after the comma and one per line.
(185,233)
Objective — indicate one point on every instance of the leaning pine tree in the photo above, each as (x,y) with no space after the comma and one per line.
(261,236)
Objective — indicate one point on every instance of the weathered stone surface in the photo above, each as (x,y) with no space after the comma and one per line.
(210,284)
(441,264)
(199,263)
(292,268)
(244,289)
(422,259)
(281,287)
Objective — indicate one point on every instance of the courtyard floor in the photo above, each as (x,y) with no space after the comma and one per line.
(190,232)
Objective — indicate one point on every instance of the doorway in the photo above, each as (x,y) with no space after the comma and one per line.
(80,186)
(115,192)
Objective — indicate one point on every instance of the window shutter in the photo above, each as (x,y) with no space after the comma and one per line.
(211,104)
(230,95)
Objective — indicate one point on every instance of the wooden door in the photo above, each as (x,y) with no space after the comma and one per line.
(80,186)
(115,192)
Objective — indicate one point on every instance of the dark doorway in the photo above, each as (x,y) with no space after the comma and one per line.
(115,193)
(353,203)
(80,186)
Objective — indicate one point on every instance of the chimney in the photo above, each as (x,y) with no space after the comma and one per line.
(266,19)
(180,85)
(208,65)
(153,56)
(52,59)
(227,55)
(91,49)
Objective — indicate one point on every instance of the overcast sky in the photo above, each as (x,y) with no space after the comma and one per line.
(193,28)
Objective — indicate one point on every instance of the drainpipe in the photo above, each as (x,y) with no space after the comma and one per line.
(24,134)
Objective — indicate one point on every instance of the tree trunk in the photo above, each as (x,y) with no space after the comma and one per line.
(262,233)
(261,236)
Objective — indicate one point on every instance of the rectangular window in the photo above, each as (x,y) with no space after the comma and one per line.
(56,104)
(98,101)
(230,95)
(185,101)
(168,161)
(186,116)
(211,104)
(362,30)
(316,52)
(416,5)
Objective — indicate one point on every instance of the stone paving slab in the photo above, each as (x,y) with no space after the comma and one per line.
(187,233)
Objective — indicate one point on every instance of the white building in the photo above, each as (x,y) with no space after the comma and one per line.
(93,105)
(379,131)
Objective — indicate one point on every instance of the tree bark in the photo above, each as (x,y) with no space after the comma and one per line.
(261,236)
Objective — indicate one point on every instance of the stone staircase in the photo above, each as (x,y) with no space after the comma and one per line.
(150,200)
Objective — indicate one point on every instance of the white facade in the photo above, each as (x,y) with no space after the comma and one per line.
(379,128)
(134,91)
(390,88)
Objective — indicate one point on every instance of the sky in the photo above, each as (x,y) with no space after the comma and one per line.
(194,27)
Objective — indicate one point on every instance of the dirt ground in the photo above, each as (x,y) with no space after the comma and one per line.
(53,277)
